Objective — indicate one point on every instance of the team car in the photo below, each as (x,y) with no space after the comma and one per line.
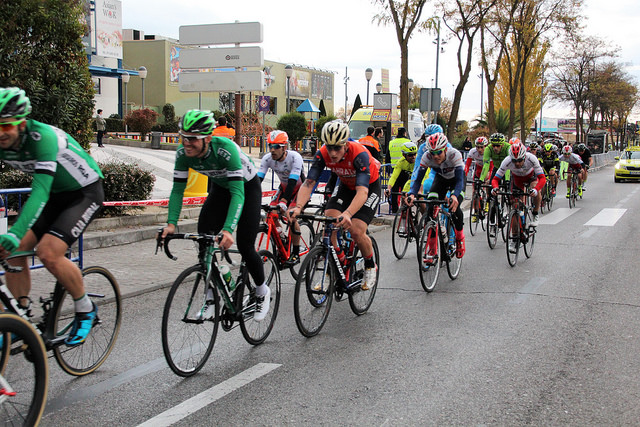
(628,166)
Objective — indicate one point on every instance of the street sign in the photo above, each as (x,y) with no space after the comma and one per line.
(228,81)
(430,99)
(251,56)
(239,32)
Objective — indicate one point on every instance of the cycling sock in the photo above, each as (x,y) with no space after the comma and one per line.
(535,213)
(262,289)
(369,262)
(83,304)
(295,250)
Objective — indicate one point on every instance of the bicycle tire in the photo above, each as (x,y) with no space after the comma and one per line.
(398,242)
(454,264)
(530,236)
(512,257)
(182,321)
(504,209)
(492,225)
(429,271)
(473,213)
(104,291)
(255,332)
(307,239)
(27,377)
(360,300)
(313,295)
(550,198)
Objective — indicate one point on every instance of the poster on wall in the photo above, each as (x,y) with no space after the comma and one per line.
(299,83)
(321,86)
(384,72)
(174,64)
(109,28)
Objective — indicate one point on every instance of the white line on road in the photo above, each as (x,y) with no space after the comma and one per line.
(607,217)
(209,396)
(557,215)
(528,289)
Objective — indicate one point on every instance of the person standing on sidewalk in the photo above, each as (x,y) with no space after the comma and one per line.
(101,126)
(223,130)
(371,143)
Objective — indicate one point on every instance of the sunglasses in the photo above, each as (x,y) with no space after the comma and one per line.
(9,125)
(192,138)
(496,145)
(275,146)
(436,152)
(411,154)
(518,161)
(334,147)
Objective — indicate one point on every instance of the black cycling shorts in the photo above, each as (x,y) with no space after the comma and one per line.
(344,197)
(67,214)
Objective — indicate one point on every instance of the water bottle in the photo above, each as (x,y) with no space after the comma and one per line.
(522,218)
(226,276)
(281,233)
(443,230)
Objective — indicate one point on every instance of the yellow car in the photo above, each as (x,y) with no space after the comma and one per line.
(628,166)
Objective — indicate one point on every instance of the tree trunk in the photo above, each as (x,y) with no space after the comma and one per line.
(404,83)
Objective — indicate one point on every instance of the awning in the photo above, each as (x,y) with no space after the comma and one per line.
(307,107)
(99,71)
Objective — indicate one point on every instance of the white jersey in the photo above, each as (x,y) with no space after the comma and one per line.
(289,168)
(477,158)
(531,166)
(573,159)
(447,168)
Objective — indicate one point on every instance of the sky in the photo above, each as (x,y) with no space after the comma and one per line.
(338,34)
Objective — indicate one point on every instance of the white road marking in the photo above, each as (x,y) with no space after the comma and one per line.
(590,232)
(557,215)
(188,407)
(607,217)
(531,287)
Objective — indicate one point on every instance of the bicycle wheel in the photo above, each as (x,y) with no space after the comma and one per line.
(550,198)
(24,380)
(493,222)
(483,203)
(474,213)
(360,300)
(504,210)
(253,331)
(429,265)
(307,238)
(187,336)
(513,243)
(400,241)
(314,292)
(454,264)
(103,289)
(529,236)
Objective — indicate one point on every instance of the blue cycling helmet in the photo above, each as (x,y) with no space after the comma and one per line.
(433,129)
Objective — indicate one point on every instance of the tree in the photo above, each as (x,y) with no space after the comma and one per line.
(405,15)
(42,53)
(294,124)
(141,121)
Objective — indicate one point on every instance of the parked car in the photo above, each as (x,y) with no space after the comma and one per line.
(628,166)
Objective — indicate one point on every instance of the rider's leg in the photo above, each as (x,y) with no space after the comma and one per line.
(20,283)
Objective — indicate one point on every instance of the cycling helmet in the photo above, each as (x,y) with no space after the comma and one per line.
(14,103)
(533,146)
(432,129)
(481,141)
(335,133)
(514,140)
(497,137)
(409,148)
(198,121)
(567,150)
(437,141)
(581,147)
(548,148)
(277,137)
(517,151)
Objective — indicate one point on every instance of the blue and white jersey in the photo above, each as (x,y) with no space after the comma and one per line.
(289,168)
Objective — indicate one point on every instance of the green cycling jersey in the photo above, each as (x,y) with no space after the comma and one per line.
(491,155)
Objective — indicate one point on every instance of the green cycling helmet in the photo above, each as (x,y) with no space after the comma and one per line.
(198,121)
(497,137)
(14,103)
(409,148)
(548,147)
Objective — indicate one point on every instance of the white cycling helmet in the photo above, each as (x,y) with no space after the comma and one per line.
(437,141)
(335,133)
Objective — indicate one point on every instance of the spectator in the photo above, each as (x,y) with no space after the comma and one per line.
(466,147)
(371,143)
(223,130)
(101,126)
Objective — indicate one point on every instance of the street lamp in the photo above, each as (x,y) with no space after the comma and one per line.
(125,80)
(368,73)
(142,72)
(288,70)
(379,87)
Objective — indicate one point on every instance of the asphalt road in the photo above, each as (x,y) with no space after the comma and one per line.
(551,341)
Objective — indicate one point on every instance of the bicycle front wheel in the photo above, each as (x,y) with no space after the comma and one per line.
(454,264)
(529,237)
(492,225)
(253,331)
(429,253)
(102,288)
(474,214)
(513,241)
(360,300)
(24,379)
(307,238)
(314,292)
(400,233)
(188,329)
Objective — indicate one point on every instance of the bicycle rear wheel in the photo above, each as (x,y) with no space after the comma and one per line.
(314,292)
(24,379)
(513,242)
(529,236)
(429,264)
(83,359)
(307,238)
(400,241)
(493,222)
(253,331)
(454,264)
(187,335)
(360,300)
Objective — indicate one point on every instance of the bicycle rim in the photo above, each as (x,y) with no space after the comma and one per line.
(24,374)
(514,237)
(400,243)
(474,214)
(188,338)
(360,300)
(102,288)
(530,236)
(307,237)
(253,331)
(454,264)
(314,292)
(492,226)
(429,267)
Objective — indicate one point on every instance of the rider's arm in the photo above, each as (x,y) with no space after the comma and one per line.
(180,176)
(264,167)
(40,190)
(416,166)
(460,180)
(294,176)
(304,194)
(415,186)
(235,183)
(427,182)
(467,165)
(486,159)
(394,176)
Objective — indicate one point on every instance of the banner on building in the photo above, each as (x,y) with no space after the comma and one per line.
(263,104)
(109,28)
(385,80)
(321,87)
(299,84)
(174,64)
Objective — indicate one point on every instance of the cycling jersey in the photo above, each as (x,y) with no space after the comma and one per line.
(452,168)
(226,165)
(402,166)
(549,162)
(356,168)
(474,157)
(530,168)
(574,161)
(585,156)
(57,163)
(288,170)
(497,158)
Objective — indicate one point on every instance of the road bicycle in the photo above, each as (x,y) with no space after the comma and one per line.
(323,277)
(405,227)
(520,233)
(200,299)
(58,313)
(479,200)
(280,242)
(437,245)
(24,381)
(547,196)
(574,193)
(499,206)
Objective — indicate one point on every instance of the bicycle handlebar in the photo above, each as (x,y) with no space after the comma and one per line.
(9,268)
(319,218)
(196,237)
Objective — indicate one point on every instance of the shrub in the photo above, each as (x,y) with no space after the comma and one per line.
(12,178)
(294,124)
(321,122)
(141,121)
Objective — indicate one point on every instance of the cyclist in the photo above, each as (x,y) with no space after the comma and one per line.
(534,148)
(476,157)
(550,162)
(585,155)
(525,169)
(287,164)
(498,152)
(234,197)
(432,129)
(371,143)
(66,194)
(358,193)
(446,162)
(401,172)
(575,164)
